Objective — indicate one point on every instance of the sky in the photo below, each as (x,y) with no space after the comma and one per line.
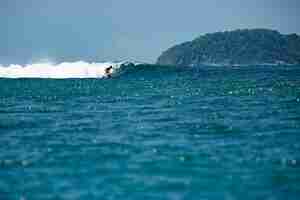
(109,30)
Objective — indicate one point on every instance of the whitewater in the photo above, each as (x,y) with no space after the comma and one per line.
(78,69)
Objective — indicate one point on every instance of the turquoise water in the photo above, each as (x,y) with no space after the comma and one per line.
(153,133)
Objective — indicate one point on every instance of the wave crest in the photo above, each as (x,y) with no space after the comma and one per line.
(79,69)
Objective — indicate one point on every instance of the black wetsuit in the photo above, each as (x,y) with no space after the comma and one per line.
(107,71)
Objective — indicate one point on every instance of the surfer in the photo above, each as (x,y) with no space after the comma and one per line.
(108,71)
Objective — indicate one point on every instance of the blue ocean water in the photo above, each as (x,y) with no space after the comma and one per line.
(153,132)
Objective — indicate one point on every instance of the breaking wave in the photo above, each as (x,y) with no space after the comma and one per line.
(79,69)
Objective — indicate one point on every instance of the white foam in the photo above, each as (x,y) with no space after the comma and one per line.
(78,69)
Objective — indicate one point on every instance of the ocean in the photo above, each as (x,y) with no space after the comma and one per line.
(149,132)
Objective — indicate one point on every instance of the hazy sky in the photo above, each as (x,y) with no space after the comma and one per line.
(96,30)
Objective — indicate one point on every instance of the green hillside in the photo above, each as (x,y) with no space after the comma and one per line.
(248,46)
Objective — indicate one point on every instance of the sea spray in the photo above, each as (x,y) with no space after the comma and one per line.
(79,69)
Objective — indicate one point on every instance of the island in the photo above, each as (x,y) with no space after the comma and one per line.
(238,47)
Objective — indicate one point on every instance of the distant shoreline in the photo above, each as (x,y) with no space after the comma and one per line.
(244,65)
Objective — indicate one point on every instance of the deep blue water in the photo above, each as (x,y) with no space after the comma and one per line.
(153,133)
